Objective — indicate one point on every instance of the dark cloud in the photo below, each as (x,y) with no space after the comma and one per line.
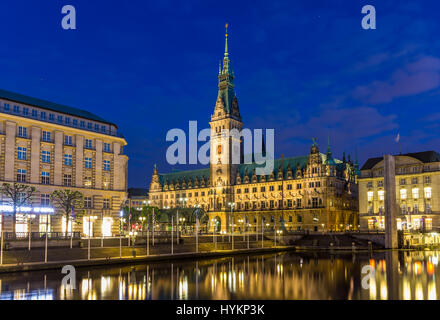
(414,78)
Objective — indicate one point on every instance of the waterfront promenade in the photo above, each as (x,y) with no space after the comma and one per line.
(102,253)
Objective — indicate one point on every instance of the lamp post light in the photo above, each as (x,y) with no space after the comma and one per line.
(121,214)
(30,217)
(1,241)
(91,218)
(214,240)
(231,227)
(183,201)
(181,222)
(142,220)
(248,235)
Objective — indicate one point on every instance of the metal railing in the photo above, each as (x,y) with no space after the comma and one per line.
(8,236)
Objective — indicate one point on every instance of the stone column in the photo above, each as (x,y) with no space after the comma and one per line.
(35,155)
(11,128)
(390,202)
(99,164)
(118,171)
(58,158)
(79,161)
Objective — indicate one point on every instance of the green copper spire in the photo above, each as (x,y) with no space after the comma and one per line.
(226,40)
(226,91)
(226,56)
(329,151)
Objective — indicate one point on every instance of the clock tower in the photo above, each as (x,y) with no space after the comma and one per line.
(226,117)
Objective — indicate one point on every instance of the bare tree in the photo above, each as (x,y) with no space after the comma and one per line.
(17,195)
(67,201)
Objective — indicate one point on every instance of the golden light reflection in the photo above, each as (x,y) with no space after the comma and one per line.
(419,291)
(406,290)
(183,288)
(432,292)
(383,290)
(417,268)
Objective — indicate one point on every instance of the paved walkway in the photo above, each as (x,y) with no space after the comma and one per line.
(24,256)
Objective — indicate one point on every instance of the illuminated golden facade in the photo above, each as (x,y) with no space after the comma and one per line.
(52,147)
(312,192)
(417,192)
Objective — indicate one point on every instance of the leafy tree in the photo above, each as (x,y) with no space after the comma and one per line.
(67,200)
(17,195)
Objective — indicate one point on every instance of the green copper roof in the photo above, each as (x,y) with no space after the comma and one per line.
(20,98)
(191,174)
(244,168)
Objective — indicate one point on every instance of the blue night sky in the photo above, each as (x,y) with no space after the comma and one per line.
(305,68)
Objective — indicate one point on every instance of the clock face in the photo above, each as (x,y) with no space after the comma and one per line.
(219,149)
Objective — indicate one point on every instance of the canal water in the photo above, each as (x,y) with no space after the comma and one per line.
(291,276)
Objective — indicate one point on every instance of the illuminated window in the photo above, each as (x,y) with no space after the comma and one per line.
(88,226)
(45,177)
(428,192)
(428,208)
(63,225)
(106,165)
(88,181)
(88,144)
(370,195)
(381,195)
(22,132)
(45,200)
(428,223)
(21,175)
(45,156)
(88,163)
(21,153)
(402,194)
(416,223)
(67,180)
(44,223)
(68,140)
(67,159)
(399,224)
(107,147)
(87,202)
(415,193)
(381,223)
(107,227)
(20,225)
(46,136)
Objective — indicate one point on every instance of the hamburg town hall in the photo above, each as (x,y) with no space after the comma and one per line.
(314,192)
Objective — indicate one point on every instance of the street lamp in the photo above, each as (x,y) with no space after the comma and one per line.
(121,214)
(91,218)
(231,224)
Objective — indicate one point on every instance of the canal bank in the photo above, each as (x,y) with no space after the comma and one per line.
(99,262)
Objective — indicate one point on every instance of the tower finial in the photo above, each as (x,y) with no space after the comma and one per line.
(226,39)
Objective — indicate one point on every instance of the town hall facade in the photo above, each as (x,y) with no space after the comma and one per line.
(314,192)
